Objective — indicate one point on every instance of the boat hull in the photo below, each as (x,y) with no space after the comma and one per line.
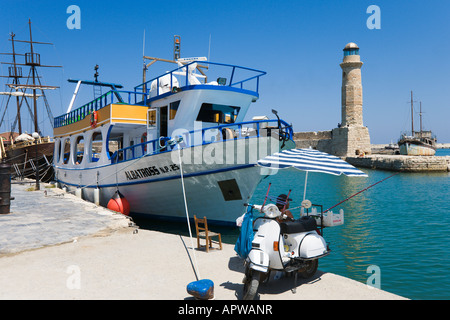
(218,180)
(412,148)
(23,157)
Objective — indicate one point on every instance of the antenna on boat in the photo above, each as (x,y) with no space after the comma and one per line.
(177,60)
(143,45)
(96,73)
(176,47)
(209,46)
(97,88)
(144,67)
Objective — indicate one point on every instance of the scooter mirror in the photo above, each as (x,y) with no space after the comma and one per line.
(257,207)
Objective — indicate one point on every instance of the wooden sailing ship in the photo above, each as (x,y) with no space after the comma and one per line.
(420,143)
(29,154)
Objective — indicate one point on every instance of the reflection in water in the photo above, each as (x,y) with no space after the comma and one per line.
(329,190)
(400,225)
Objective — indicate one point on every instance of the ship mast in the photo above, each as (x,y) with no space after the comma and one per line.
(15,73)
(420,115)
(33,65)
(412,115)
(16,80)
(32,60)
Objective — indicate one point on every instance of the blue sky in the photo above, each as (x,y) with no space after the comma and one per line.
(298,43)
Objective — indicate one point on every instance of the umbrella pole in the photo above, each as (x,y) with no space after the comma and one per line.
(306,182)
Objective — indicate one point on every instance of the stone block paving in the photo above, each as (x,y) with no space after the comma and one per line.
(50,216)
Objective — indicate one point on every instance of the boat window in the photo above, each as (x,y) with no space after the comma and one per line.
(218,113)
(151,118)
(57,150)
(66,151)
(130,151)
(79,148)
(115,144)
(163,121)
(96,146)
(173,109)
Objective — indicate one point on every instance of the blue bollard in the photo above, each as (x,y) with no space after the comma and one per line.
(201,289)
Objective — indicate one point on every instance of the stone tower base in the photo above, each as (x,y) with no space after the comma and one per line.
(350,141)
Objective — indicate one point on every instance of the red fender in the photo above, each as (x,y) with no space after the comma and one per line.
(119,203)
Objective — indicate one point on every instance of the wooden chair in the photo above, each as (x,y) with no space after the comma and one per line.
(201,226)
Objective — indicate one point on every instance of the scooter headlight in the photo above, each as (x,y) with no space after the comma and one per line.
(271,211)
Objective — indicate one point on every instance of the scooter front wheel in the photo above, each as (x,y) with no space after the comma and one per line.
(251,285)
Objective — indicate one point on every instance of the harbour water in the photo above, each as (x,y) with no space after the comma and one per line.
(400,226)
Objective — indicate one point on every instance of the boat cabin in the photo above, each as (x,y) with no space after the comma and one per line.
(122,125)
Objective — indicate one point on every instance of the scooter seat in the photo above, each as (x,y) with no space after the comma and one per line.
(304,224)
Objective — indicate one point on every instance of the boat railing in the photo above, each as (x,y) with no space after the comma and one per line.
(241,77)
(179,78)
(234,131)
(112,96)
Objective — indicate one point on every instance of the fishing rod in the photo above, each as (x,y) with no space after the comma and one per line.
(361,191)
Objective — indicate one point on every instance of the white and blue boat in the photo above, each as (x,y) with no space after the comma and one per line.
(140,141)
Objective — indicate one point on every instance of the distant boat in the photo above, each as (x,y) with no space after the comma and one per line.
(419,143)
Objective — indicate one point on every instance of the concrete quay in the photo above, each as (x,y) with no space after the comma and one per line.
(57,246)
(51,216)
(402,163)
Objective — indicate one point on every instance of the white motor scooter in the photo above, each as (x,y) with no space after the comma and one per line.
(292,246)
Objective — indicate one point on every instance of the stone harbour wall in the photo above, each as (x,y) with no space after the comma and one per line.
(402,163)
(320,140)
(346,141)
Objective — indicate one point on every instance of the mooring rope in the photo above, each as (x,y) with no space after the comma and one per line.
(196,272)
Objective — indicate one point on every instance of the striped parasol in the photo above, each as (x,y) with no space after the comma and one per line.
(310,160)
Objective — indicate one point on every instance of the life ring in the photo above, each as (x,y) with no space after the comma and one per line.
(94,119)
